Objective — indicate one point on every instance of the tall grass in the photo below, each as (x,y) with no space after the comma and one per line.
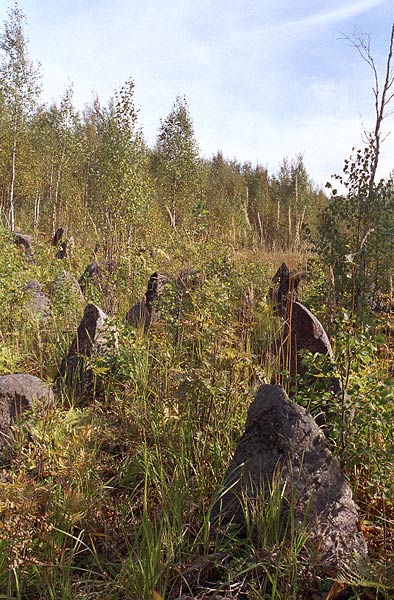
(112,499)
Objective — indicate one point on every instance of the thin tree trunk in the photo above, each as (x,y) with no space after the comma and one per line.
(13,176)
(383,98)
(246,207)
(300,222)
(261,230)
(171,214)
(51,188)
(57,188)
(37,205)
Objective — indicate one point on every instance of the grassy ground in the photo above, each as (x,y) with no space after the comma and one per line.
(111,496)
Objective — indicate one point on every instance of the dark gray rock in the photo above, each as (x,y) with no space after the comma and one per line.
(62,252)
(301,331)
(91,271)
(19,393)
(156,285)
(282,440)
(39,303)
(97,272)
(26,242)
(146,311)
(57,238)
(66,285)
(139,315)
(90,340)
(285,290)
(306,331)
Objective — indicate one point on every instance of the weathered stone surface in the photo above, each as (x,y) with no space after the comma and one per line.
(91,271)
(281,439)
(285,290)
(39,302)
(90,339)
(57,238)
(302,331)
(97,272)
(62,252)
(306,331)
(145,312)
(19,393)
(26,241)
(155,287)
(65,284)
(139,315)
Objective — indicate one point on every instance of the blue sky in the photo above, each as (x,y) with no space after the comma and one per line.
(264,79)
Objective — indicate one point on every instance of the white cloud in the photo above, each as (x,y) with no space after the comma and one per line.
(339,13)
(263,79)
(325,141)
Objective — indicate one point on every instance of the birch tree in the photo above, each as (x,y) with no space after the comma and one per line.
(176,163)
(119,192)
(20,90)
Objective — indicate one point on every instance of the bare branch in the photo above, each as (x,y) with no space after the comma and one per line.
(387,115)
(387,134)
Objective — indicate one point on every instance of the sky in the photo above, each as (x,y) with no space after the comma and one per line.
(264,79)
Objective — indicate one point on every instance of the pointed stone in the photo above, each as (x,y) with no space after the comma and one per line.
(145,312)
(90,339)
(39,303)
(282,440)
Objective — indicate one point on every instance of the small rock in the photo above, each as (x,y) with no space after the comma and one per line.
(285,290)
(62,252)
(58,236)
(307,331)
(145,312)
(19,393)
(99,271)
(26,241)
(139,315)
(39,303)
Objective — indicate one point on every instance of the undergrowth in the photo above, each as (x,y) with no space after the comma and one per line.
(111,497)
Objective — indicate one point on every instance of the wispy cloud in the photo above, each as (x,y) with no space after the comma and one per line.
(263,79)
(276,23)
(344,11)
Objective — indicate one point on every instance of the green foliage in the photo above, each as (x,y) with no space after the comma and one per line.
(113,499)
(19,92)
(356,234)
(358,418)
(176,165)
(369,574)
(119,186)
